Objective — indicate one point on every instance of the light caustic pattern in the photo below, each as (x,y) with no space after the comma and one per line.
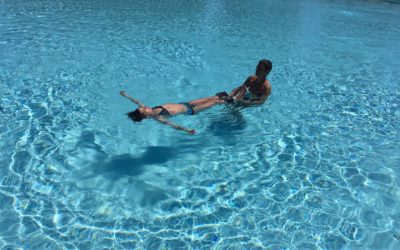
(316,167)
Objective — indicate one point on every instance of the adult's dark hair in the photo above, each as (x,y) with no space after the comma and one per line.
(136,116)
(263,68)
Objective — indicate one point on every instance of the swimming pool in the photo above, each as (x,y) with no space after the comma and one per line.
(316,167)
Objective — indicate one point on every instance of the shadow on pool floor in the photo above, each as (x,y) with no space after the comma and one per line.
(123,165)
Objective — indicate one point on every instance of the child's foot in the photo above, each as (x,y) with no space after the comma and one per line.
(224,96)
(221,95)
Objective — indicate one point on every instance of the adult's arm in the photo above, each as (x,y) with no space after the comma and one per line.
(123,93)
(240,91)
(257,101)
(253,101)
(235,91)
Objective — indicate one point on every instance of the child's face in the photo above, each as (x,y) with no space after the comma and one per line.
(145,111)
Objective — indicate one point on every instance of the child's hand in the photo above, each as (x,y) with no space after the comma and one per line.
(191,131)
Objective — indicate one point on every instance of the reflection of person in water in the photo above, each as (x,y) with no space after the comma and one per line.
(256,89)
(171,109)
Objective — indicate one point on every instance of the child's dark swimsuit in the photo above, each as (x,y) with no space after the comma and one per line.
(190,110)
(163,111)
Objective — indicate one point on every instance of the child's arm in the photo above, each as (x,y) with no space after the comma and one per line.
(131,98)
(164,121)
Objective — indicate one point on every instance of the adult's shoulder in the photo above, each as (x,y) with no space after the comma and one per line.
(250,79)
(268,87)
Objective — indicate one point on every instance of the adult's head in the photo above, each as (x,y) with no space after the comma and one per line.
(263,68)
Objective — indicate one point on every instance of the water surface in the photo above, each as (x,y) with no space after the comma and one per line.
(316,167)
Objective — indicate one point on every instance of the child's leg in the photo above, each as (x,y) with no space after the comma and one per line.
(208,104)
(204,100)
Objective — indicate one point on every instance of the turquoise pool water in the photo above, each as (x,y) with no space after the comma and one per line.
(316,167)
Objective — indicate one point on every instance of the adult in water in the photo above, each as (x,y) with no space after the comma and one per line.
(159,113)
(256,89)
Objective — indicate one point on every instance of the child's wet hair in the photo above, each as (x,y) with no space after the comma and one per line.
(136,116)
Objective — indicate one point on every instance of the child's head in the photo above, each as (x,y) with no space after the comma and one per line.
(140,113)
(136,115)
